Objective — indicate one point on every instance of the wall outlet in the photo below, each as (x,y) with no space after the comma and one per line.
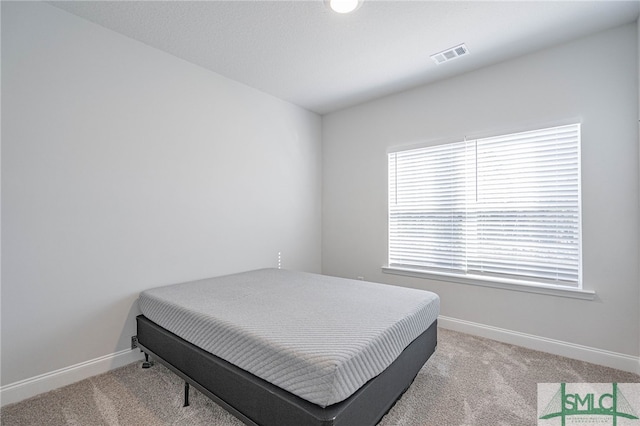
(134,342)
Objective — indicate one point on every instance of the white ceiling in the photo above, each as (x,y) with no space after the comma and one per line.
(302,52)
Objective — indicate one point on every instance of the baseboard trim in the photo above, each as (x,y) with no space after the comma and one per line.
(18,391)
(33,386)
(557,347)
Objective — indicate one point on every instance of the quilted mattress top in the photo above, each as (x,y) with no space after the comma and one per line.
(316,336)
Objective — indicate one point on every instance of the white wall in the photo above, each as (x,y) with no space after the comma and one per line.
(594,79)
(125,168)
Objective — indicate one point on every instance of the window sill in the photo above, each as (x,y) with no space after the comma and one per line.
(505,284)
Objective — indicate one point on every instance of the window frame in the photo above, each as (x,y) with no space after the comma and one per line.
(509,283)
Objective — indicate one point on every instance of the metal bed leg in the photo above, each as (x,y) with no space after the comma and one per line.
(147,363)
(186,394)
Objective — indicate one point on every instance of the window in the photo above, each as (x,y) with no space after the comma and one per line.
(499,208)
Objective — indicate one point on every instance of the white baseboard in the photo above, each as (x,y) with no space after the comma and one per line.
(33,386)
(557,347)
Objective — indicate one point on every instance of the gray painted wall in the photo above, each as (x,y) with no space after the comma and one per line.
(125,168)
(595,80)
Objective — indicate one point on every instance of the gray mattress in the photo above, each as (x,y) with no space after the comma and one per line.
(318,337)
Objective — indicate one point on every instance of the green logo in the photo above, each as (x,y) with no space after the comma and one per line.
(584,401)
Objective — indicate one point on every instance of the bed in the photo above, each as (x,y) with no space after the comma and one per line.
(277,347)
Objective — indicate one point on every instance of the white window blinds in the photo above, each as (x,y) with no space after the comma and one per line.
(506,206)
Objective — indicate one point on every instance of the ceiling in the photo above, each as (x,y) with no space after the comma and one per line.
(304,53)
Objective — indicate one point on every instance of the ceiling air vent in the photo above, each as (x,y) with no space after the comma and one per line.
(449,54)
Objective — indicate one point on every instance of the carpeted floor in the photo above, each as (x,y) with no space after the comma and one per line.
(468,381)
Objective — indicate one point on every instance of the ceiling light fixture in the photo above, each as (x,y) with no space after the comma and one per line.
(344,6)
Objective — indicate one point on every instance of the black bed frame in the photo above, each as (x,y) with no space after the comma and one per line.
(259,403)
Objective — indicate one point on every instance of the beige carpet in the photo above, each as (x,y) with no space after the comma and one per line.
(468,381)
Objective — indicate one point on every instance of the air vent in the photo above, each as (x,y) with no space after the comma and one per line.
(449,54)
